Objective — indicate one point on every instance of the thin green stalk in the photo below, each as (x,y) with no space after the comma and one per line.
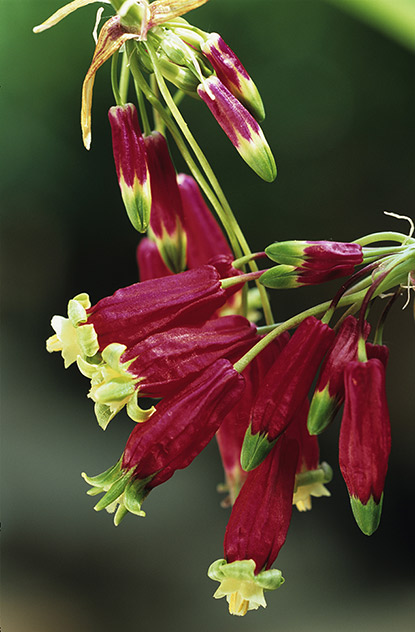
(114,79)
(384,236)
(124,78)
(143,110)
(210,175)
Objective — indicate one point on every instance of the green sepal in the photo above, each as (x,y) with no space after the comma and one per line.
(244,571)
(323,409)
(123,492)
(104,414)
(77,307)
(288,252)
(282,277)
(367,516)
(254,449)
(135,412)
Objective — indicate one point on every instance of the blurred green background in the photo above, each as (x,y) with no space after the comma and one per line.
(339,96)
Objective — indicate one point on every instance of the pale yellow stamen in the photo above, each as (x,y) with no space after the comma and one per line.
(302,497)
(237,605)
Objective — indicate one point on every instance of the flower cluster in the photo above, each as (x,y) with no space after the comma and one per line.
(186,339)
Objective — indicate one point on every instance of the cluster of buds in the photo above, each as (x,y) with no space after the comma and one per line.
(186,336)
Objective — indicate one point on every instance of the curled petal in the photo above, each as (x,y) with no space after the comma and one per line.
(112,36)
(63,12)
(163,10)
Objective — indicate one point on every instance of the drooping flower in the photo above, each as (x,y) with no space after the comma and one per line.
(310,262)
(240,127)
(163,363)
(139,310)
(256,531)
(131,164)
(329,392)
(285,388)
(310,475)
(205,239)
(233,75)
(231,433)
(150,263)
(365,440)
(174,435)
(166,220)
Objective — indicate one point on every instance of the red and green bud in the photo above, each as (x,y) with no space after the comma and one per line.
(233,75)
(329,393)
(365,440)
(256,531)
(310,475)
(149,261)
(310,262)
(284,389)
(240,127)
(231,434)
(179,429)
(166,220)
(205,239)
(131,164)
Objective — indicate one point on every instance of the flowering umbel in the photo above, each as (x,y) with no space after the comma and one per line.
(183,339)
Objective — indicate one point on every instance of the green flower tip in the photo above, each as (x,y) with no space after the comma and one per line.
(254,449)
(367,516)
(323,409)
(122,493)
(243,589)
(282,277)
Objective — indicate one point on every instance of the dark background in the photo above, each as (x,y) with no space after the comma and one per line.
(339,101)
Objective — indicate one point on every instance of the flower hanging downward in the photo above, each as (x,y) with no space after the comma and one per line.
(240,127)
(365,440)
(256,531)
(131,164)
(173,436)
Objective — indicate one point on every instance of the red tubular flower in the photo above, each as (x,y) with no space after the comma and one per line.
(329,393)
(310,262)
(285,388)
(233,75)
(205,239)
(131,164)
(240,127)
(381,352)
(365,440)
(166,221)
(231,433)
(150,263)
(175,434)
(310,475)
(256,531)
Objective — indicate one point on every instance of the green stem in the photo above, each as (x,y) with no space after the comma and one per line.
(211,177)
(124,78)
(134,16)
(143,111)
(114,79)
(386,236)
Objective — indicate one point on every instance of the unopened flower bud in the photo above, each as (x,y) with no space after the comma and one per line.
(240,127)
(131,164)
(233,75)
